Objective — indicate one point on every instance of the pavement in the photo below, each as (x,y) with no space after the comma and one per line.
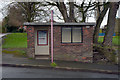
(13,61)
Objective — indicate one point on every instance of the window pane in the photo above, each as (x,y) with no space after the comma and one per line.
(42,37)
(76,35)
(66,34)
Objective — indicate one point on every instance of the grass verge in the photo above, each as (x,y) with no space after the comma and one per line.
(115,40)
(18,53)
(15,40)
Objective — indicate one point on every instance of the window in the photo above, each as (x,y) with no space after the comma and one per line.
(66,34)
(42,37)
(71,35)
(76,34)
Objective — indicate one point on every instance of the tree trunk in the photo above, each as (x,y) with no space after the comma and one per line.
(110,24)
(71,12)
(83,16)
(98,23)
(62,8)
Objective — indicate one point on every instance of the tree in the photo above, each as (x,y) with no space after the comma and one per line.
(35,11)
(20,12)
(73,11)
(99,21)
(29,10)
(5,24)
(85,9)
(111,23)
(70,11)
(63,10)
(15,16)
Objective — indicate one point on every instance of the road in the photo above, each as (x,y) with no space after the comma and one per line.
(14,72)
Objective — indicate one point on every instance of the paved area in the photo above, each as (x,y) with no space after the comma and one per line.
(10,72)
(10,59)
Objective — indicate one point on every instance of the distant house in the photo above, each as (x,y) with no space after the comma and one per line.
(72,41)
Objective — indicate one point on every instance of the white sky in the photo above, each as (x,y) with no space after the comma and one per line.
(4,3)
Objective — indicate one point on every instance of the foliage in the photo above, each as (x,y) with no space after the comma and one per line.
(5,24)
(53,64)
(15,40)
(21,30)
(3,30)
(12,29)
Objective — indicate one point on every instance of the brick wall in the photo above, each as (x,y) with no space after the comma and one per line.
(74,51)
(30,42)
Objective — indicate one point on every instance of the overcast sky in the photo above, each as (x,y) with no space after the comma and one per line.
(4,3)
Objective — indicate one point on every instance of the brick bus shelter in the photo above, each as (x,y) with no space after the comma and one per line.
(72,41)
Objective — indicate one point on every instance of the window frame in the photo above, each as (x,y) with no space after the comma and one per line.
(72,34)
(38,38)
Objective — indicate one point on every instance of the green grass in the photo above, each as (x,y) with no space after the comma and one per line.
(15,40)
(116,40)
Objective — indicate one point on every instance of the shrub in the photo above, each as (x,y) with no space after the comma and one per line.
(53,64)
(3,30)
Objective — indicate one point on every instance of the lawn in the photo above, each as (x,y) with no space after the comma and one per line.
(116,40)
(15,40)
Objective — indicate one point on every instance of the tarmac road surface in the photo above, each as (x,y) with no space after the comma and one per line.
(15,72)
